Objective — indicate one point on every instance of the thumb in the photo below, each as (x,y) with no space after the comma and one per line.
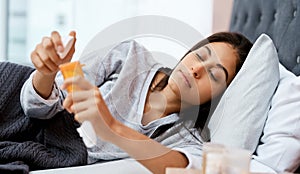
(73,33)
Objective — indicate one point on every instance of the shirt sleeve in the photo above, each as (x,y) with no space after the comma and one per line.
(37,107)
(195,162)
(186,141)
(102,64)
(257,166)
(99,68)
(191,147)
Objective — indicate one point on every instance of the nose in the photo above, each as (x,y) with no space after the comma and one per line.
(197,70)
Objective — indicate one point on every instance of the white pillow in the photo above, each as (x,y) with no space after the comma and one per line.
(240,116)
(280,148)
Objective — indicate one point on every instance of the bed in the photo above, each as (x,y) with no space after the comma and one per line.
(279,19)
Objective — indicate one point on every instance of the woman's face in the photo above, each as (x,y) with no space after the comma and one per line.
(204,73)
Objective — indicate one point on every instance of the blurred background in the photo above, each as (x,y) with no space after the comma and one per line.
(23,23)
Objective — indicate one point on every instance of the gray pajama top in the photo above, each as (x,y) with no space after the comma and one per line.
(123,76)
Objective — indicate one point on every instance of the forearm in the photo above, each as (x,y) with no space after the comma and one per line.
(37,107)
(43,84)
(160,163)
(148,152)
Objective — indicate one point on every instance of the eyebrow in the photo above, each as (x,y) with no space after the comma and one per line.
(219,65)
(208,50)
(224,69)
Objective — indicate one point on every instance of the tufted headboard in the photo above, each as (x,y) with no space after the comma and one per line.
(280,19)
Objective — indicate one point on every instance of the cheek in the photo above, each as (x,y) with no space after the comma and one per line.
(207,90)
(172,83)
(217,89)
(201,93)
(185,63)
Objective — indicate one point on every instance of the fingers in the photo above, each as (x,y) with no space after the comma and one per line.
(56,39)
(76,97)
(80,104)
(72,50)
(70,54)
(45,57)
(47,54)
(86,115)
(75,102)
(49,47)
(38,63)
(68,102)
(85,91)
(73,33)
(79,82)
(86,97)
(81,101)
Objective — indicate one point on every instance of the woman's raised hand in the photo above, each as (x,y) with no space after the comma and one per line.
(45,57)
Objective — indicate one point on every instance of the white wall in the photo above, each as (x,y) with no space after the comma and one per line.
(196,13)
(221,15)
(16,35)
(45,16)
(3,32)
(89,17)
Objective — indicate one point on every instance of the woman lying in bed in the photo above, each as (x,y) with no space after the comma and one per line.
(137,107)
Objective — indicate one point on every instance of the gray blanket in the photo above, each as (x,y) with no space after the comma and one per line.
(29,144)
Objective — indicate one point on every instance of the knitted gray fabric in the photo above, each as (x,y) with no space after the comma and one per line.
(40,144)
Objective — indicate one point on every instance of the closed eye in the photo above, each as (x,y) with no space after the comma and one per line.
(217,74)
(199,57)
(212,75)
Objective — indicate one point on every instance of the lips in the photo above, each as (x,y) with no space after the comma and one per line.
(185,79)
